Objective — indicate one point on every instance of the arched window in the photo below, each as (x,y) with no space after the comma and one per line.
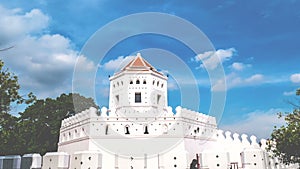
(157,83)
(131,82)
(137,81)
(117,99)
(146,130)
(165,128)
(106,129)
(127,129)
(144,82)
(153,82)
(158,99)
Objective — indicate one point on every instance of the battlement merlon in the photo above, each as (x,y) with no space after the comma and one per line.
(193,115)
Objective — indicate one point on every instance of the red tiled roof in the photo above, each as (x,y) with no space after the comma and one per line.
(138,61)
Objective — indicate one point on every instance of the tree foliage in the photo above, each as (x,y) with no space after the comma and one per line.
(9,95)
(36,130)
(9,88)
(285,140)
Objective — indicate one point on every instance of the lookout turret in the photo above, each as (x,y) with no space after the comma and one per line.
(139,86)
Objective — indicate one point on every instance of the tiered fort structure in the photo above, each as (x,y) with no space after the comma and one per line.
(140,131)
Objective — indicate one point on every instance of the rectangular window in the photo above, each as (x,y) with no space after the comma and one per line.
(138,97)
(117,99)
(158,98)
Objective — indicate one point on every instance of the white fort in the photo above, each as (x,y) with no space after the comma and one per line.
(140,131)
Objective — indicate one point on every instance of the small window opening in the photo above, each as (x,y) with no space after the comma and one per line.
(131,82)
(127,130)
(144,82)
(157,83)
(106,130)
(158,98)
(138,97)
(137,82)
(165,128)
(153,82)
(146,130)
(117,99)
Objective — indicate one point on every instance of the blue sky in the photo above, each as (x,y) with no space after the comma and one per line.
(258,43)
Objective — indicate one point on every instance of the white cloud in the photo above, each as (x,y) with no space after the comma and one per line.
(259,123)
(234,80)
(116,64)
(105,92)
(14,24)
(257,78)
(290,93)
(172,85)
(84,65)
(219,85)
(210,60)
(44,63)
(238,66)
(295,78)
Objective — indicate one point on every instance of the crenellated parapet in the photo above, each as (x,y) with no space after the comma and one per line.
(79,117)
(110,123)
(195,116)
(238,151)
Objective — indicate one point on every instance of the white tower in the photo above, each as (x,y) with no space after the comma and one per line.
(138,88)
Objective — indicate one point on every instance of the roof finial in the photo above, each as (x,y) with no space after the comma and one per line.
(138,54)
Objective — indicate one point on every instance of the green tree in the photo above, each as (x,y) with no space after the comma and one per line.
(285,140)
(37,128)
(7,133)
(9,95)
(39,124)
(9,88)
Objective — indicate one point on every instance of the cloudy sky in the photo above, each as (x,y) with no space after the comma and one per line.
(257,43)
